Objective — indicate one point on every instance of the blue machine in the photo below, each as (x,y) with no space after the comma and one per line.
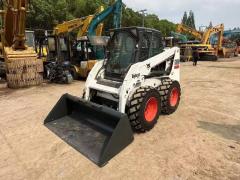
(115,9)
(226,34)
(181,37)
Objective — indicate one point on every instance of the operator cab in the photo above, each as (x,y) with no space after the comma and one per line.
(128,46)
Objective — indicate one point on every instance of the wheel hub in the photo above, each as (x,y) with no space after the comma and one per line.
(174,96)
(151,109)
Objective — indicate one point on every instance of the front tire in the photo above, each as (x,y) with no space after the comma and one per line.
(144,109)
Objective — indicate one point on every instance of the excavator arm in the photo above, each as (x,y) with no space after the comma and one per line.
(82,24)
(115,8)
(14,16)
(181,28)
(17,55)
(69,26)
(209,32)
(83,31)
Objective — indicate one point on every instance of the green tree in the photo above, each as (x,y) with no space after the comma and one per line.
(189,19)
(45,14)
(210,25)
(192,19)
(190,22)
(185,18)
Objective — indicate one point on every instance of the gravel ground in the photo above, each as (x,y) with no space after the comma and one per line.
(200,141)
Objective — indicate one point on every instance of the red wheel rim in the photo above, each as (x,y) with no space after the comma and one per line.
(174,97)
(151,109)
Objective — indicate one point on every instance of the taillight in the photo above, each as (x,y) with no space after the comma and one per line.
(177,64)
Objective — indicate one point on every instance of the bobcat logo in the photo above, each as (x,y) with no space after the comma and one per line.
(148,66)
(135,76)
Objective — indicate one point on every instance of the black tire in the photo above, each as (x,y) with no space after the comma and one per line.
(137,106)
(74,73)
(165,90)
(209,58)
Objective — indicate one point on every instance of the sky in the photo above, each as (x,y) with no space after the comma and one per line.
(217,11)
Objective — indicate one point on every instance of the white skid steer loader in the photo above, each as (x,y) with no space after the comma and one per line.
(126,92)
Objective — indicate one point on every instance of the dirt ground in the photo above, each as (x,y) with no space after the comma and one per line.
(200,141)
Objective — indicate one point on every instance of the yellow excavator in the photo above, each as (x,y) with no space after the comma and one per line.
(89,45)
(80,24)
(205,49)
(60,47)
(182,28)
(23,69)
(202,45)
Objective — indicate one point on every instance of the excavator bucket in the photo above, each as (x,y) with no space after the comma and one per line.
(98,132)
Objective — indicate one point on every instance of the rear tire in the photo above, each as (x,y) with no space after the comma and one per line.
(144,109)
(170,92)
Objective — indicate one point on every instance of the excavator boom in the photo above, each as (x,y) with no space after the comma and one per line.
(210,31)
(80,24)
(69,26)
(181,28)
(14,23)
(115,8)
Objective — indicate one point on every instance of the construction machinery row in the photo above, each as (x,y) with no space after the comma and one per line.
(73,58)
(202,45)
(126,92)
(137,80)
(132,78)
(68,58)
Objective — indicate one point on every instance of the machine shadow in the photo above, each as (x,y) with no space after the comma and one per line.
(224,67)
(231,132)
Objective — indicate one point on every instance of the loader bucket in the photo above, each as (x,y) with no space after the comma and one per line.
(98,132)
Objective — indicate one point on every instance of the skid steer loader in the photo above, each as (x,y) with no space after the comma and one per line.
(127,92)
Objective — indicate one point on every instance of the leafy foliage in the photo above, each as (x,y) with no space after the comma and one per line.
(189,19)
(185,18)
(210,25)
(45,14)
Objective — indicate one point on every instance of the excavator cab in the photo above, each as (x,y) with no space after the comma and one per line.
(58,48)
(86,52)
